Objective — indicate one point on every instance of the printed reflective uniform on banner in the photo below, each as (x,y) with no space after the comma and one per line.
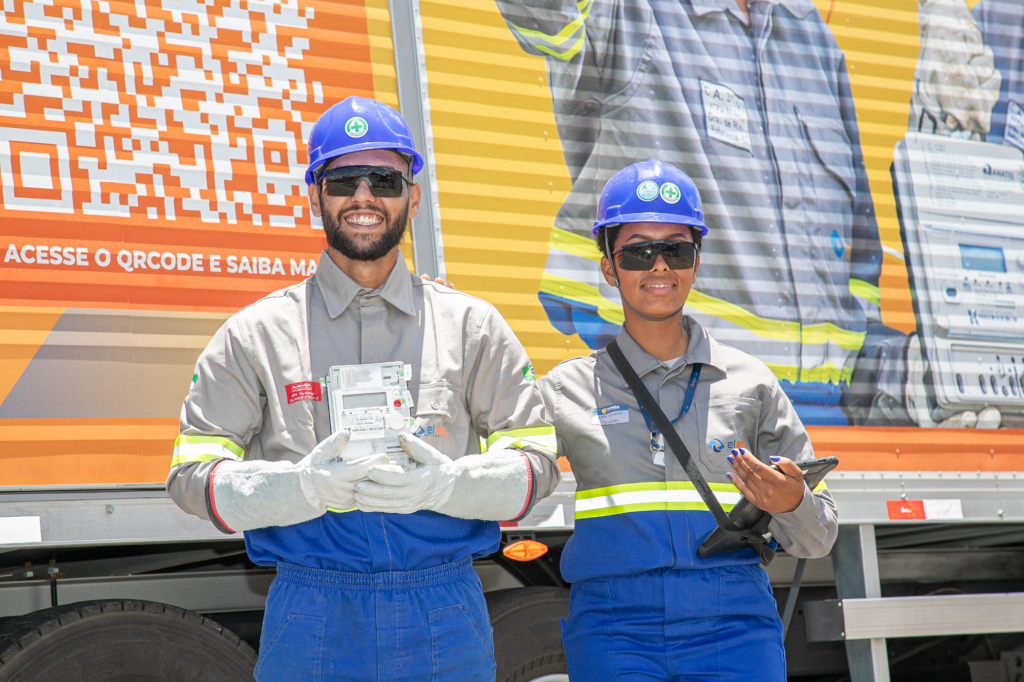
(638,524)
(471,377)
(790,269)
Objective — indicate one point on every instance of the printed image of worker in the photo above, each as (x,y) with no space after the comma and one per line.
(644,605)
(752,98)
(968,84)
(383,590)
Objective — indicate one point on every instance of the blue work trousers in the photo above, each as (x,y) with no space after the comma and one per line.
(716,624)
(330,626)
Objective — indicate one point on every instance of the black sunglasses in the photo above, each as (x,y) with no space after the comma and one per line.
(678,255)
(382,182)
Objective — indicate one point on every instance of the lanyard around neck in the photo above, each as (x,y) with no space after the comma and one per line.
(691,388)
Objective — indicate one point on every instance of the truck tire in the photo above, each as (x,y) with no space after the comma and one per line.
(527,633)
(121,641)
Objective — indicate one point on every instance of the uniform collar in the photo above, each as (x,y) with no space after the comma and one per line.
(798,8)
(339,289)
(702,349)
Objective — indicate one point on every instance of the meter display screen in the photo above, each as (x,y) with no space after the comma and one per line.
(984,258)
(356,400)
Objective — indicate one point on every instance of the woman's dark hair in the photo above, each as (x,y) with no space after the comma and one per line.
(613,234)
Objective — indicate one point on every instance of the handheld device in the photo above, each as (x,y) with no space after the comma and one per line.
(746,515)
(961,209)
(373,402)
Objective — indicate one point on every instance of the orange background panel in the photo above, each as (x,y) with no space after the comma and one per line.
(914,449)
(52,452)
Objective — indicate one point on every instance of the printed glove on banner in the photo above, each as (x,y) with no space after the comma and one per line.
(956,81)
(917,398)
(494,486)
(260,494)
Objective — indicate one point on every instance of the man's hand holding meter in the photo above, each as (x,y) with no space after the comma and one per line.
(328,481)
(489,487)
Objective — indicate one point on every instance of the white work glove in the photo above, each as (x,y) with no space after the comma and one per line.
(495,486)
(329,482)
(956,80)
(259,494)
(917,398)
(392,490)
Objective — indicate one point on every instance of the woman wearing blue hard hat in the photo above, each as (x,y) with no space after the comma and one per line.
(645,605)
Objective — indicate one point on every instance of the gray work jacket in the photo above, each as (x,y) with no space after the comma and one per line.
(633,515)
(255,397)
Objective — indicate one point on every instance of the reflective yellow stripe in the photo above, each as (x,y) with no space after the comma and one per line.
(542,437)
(575,244)
(869,292)
(192,448)
(778,330)
(639,497)
(342,511)
(537,38)
(825,332)
(652,486)
(585,294)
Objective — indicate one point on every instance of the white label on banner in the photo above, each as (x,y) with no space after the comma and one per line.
(1014,133)
(17,530)
(943,509)
(725,115)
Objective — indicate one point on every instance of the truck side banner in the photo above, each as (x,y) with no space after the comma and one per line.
(860,164)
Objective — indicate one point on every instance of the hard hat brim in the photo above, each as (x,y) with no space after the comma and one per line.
(668,218)
(417,160)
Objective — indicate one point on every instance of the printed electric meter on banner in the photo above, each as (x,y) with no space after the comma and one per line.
(373,402)
(962,218)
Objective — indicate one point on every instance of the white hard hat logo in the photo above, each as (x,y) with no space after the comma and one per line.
(356,127)
(670,194)
(647,191)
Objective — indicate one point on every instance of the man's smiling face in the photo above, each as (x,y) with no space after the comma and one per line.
(364,227)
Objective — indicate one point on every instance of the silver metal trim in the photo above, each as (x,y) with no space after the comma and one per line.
(414,102)
(936,616)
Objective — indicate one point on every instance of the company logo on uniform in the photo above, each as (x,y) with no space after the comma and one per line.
(195,378)
(356,127)
(647,191)
(528,373)
(837,244)
(610,414)
(433,432)
(670,194)
(717,445)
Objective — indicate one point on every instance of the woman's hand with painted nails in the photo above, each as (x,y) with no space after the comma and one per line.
(775,492)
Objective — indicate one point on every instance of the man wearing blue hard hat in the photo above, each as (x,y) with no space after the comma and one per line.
(374,562)
(647,603)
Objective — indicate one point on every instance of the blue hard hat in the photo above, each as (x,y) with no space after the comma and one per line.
(650,192)
(357,124)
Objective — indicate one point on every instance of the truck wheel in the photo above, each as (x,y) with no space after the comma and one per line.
(528,634)
(121,641)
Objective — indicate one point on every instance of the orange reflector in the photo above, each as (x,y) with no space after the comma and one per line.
(525,550)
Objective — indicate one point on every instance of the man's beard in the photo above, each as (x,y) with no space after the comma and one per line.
(366,247)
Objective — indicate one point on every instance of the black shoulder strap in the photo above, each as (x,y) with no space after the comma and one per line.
(683,455)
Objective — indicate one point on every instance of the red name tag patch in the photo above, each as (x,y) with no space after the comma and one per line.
(303,390)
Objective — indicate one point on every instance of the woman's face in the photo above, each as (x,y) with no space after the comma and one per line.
(659,291)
